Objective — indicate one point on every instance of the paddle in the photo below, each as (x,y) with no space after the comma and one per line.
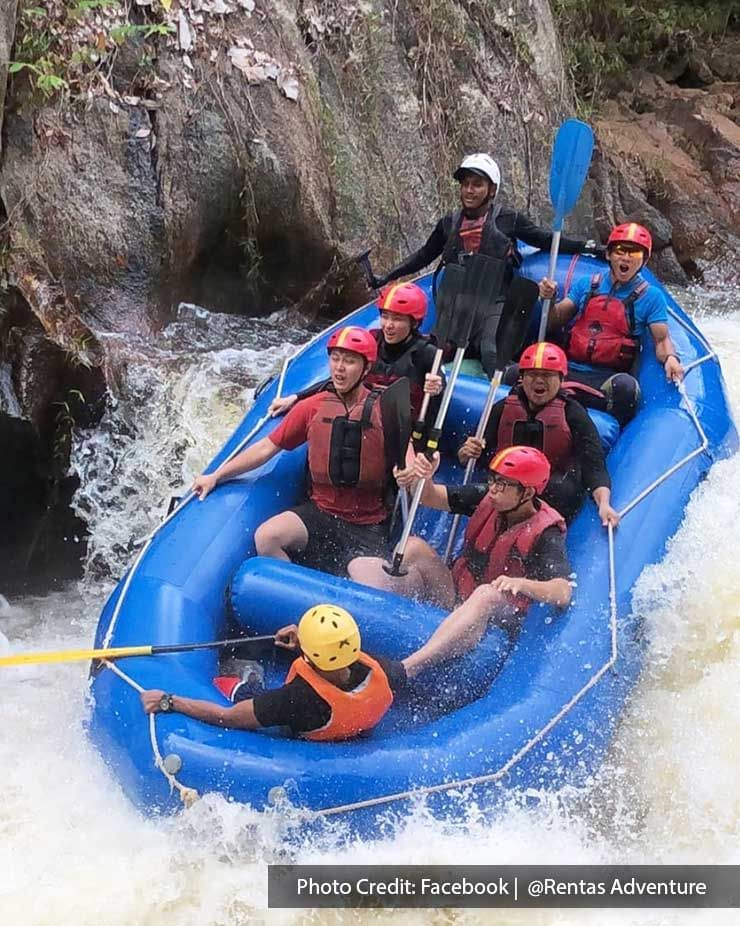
(510,337)
(445,298)
(121,652)
(395,413)
(364,261)
(571,158)
(481,281)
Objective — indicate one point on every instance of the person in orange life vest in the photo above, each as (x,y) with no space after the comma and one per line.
(481,225)
(513,552)
(402,350)
(537,413)
(333,691)
(347,513)
(605,317)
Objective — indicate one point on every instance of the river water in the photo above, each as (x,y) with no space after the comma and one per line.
(72,849)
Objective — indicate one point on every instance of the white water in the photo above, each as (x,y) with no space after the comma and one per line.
(73,851)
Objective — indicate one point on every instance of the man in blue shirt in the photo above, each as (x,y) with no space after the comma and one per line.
(605,318)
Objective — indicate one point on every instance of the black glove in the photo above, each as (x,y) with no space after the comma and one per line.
(376,282)
(593,247)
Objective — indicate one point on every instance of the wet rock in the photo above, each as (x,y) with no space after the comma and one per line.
(724,60)
(24,494)
(671,155)
(37,372)
(84,198)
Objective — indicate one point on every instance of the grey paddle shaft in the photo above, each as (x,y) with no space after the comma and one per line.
(470,465)
(400,550)
(554,248)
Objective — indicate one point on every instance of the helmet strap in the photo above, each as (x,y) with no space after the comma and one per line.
(522,501)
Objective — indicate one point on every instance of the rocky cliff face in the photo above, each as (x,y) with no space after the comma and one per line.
(669,155)
(263,145)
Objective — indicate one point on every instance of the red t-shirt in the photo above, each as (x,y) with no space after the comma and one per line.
(471,232)
(349,503)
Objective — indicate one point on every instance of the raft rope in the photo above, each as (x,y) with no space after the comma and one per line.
(190,795)
(187,795)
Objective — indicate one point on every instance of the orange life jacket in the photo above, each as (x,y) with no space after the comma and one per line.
(352,712)
(491,549)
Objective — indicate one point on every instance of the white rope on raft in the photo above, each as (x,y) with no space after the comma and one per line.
(187,795)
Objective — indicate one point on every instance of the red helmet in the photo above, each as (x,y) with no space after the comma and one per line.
(358,340)
(526,465)
(405,299)
(633,233)
(544,356)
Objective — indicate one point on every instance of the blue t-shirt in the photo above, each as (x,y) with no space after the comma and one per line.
(649,309)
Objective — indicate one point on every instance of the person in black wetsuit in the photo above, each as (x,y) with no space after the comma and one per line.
(482,226)
(402,351)
(538,413)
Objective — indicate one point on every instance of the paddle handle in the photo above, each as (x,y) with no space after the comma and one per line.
(554,249)
(431,446)
(469,467)
(417,432)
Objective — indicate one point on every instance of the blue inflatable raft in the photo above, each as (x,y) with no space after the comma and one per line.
(541,712)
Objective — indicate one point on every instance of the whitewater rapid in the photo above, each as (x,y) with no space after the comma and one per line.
(74,851)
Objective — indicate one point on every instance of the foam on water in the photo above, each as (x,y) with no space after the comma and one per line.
(73,851)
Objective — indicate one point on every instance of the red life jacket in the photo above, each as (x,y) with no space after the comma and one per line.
(347,448)
(491,549)
(604,333)
(555,437)
(352,712)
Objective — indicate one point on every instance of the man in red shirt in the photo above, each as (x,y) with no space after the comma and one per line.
(347,513)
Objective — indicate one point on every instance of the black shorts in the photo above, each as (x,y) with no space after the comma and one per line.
(333,542)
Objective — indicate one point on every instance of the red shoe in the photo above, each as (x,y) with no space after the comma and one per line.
(227,685)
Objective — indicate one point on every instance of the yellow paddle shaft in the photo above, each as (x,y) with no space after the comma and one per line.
(73,655)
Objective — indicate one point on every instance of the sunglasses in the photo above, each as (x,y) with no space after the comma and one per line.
(501,482)
(627,250)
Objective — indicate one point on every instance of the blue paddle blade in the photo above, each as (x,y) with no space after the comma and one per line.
(571,158)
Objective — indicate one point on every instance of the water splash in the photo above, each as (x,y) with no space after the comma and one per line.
(174,401)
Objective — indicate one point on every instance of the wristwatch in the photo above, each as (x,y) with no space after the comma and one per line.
(166,703)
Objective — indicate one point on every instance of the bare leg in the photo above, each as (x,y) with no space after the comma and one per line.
(281,535)
(459,632)
(427,578)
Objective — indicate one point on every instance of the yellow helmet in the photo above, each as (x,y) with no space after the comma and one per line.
(329,636)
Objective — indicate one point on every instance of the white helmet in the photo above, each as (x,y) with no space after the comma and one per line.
(482,164)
